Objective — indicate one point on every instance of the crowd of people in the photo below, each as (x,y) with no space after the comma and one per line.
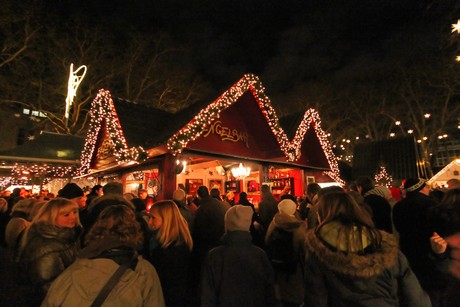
(351,246)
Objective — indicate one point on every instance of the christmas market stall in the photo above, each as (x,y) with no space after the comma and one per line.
(46,161)
(235,143)
(450,171)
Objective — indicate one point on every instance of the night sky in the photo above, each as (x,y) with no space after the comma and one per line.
(288,44)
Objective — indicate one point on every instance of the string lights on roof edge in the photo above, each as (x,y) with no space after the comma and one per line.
(103,109)
(250,82)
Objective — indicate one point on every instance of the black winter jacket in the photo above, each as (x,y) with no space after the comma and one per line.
(48,251)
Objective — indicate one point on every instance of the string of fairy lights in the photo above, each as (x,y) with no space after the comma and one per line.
(252,83)
(28,173)
(383,178)
(103,109)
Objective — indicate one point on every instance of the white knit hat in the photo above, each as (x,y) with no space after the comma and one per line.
(178,195)
(287,206)
(238,217)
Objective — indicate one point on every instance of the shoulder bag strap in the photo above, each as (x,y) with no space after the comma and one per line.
(108,287)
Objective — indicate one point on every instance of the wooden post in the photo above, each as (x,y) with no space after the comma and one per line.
(168,177)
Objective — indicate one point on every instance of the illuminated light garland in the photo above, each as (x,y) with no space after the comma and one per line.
(23,173)
(252,83)
(311,118)
(383,178)
(103,109)
(50,171)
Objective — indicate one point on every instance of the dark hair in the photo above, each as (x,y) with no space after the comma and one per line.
(451,200)
(313,188)
(243,196)
(95,188)
(289,196)
(215,193)
(365,183)
(202,191)
(330,189)
(113,188)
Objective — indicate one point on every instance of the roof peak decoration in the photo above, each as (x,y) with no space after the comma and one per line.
(250,82)
(103,109)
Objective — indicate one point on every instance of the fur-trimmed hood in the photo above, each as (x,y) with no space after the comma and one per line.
(353,264)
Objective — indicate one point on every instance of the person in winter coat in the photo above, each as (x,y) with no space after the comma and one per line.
(171,255)
(111,242)
(19,222)
(268,207)
(237,273)
(289,285)
(445,220)
(51,242)
(412,220)
(377,201)
(351,263)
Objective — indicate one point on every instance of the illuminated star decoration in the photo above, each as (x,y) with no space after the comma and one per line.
(456,27)
(251,83)
(74,82)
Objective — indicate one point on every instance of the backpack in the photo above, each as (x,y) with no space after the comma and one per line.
(281,252)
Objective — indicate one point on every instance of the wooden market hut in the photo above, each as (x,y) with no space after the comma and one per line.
(144,147)
(450,171)
(41,159)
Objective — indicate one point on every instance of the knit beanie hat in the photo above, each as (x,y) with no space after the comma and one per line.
(70,190)
(287,206)
(178,195)
(414,184)
(238,217)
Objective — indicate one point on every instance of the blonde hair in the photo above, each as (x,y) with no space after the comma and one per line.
(50,210)
(117,221)
(47,214)
(174,228)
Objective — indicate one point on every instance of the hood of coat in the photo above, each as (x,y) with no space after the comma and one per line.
(287,222)
(353,264)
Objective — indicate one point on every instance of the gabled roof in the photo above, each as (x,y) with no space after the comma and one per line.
(142,127)
(47,147)
(53,154)
(450,171)
(292,149)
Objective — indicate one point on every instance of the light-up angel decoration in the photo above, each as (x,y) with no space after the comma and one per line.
(74,81)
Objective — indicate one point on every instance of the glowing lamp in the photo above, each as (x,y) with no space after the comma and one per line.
(241,172)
